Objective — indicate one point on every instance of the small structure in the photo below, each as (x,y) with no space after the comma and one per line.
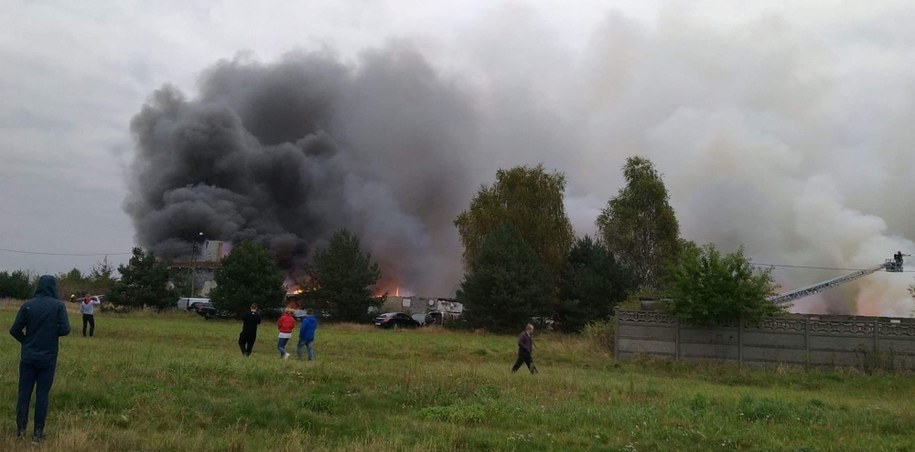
(447,307)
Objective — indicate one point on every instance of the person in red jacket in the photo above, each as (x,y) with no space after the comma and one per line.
(285,324)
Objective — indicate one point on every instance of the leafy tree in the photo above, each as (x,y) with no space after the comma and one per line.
(72,283)
(592,284)
(529,199)
(507,284)
(639,225)
(707,288)
(18,284)
(342,276)
(249,274)
(144,283)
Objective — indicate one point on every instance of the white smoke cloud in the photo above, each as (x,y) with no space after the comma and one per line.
(782,128)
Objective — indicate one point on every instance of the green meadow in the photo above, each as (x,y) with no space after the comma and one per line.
(177,382)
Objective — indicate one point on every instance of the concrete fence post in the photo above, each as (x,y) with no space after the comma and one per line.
(807,342)
(677,338)
(616,334)
(740,340)
(876,334)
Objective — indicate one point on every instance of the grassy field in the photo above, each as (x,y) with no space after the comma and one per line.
(177,382)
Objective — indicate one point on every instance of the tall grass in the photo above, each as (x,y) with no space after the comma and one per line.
(177,382)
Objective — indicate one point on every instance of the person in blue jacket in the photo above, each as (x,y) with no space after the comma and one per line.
(38,325)
(307,335)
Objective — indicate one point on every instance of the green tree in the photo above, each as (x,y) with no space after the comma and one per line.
(342,276)
(707,288)
(144,283)
(507,285)
(529,199)
(639,225)
(18,284)
(249,274)
(72,283)
(592,284)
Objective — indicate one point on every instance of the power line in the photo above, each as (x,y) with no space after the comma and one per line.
(40,253)
(61,254)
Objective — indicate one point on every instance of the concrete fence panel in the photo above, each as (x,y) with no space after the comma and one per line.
(804,340)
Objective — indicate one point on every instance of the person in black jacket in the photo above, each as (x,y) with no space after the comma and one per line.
(38,325)
(249,330)
(525,349)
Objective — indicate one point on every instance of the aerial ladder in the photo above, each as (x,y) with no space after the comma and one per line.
(893,265)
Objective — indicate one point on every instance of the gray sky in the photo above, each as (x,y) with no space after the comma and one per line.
(784,126)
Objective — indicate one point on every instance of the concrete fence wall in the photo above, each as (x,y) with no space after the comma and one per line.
(804,340)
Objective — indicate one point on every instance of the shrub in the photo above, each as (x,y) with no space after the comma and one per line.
(600,334)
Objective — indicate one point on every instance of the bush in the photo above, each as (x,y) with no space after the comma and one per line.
(600,334)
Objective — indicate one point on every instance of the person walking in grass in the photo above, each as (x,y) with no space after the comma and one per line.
(87,308)
(307,335)
(285,324)
(38,325)
(525,349)
(248,335)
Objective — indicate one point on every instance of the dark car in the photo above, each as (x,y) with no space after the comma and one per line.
(395,320)
(208,311)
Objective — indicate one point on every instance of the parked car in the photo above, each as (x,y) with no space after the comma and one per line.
(423,319)
(208,311)
(395,320)
(189,303)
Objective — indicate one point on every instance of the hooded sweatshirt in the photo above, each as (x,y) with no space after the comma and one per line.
(40,321)
(309,325)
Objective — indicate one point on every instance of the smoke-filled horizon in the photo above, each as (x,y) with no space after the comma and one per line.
(760,131)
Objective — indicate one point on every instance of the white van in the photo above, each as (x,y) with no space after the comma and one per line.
(188,303)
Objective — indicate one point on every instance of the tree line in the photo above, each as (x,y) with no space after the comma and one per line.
(521,260)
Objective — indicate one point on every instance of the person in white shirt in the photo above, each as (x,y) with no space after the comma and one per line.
(87,307)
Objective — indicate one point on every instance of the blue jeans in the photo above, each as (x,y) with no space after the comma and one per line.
(305,343)
(32,374)
(281,346)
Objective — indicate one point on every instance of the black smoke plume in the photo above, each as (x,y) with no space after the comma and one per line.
(287,153)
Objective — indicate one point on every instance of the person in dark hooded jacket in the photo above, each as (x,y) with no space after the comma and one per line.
(38,325)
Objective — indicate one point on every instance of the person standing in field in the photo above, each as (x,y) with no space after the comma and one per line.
(248,335)
(285,324)
(525,350)
(307,335)
(87,308)
(38,325)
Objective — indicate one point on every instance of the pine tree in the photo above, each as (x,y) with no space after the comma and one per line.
(342,276)
(507,284)
(249,274)
(144,283)
(592,284)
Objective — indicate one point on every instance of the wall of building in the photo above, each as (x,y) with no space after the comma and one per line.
(803,340)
